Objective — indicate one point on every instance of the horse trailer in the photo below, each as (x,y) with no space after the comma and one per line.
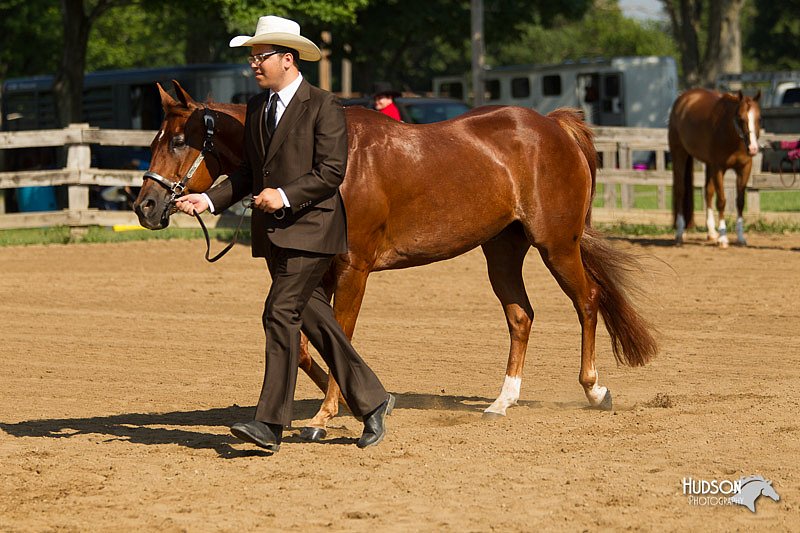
(115,99)
(122,99)
(621,91)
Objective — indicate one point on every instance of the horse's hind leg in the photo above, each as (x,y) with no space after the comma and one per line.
(504,257)
(564,261)
(681,193)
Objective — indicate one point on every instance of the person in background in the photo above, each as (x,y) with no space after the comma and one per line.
(383,98)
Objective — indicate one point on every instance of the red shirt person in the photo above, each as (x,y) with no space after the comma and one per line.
(383,97)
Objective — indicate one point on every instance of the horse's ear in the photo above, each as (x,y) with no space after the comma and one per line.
(740,95)
(166,99)
(183,96)
(757,96)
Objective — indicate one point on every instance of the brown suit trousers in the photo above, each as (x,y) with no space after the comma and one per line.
(296,302)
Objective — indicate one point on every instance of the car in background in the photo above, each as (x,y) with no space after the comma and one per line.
(419,109)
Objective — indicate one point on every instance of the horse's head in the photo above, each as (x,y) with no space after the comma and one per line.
(748,121)
(769,491)
(195,145)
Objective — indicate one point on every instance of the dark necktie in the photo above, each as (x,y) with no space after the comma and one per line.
(271,114)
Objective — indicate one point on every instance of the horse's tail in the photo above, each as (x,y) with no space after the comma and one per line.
(682,178)
(631,338)
(571,121)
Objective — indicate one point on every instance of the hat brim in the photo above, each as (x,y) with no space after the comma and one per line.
(308,50)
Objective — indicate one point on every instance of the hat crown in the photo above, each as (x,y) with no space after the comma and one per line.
(273,24)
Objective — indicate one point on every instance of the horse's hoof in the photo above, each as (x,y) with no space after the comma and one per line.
(607,404)
(491,415)
(313,434)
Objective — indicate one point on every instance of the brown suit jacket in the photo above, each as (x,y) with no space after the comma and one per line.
(307,158)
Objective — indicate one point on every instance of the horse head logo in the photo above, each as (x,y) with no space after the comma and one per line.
(751,488)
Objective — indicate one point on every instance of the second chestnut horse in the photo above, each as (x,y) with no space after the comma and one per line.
(502,178)
(722,131)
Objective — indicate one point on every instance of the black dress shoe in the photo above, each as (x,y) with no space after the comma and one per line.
(265,435)
(374,424)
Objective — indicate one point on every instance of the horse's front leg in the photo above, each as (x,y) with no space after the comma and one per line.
(350,284)
(742,177)
(504,257)
(714,185)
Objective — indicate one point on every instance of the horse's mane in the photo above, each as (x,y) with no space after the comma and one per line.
(745,480)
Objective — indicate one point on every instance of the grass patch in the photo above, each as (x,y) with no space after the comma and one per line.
(638,230)
(98,234)
(780,201)
(646,197)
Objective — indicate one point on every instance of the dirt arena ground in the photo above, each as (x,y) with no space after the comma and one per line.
(125,364)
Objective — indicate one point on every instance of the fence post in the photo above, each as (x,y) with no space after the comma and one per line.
(626,163)
(79,157)
(661,190)
(610,193)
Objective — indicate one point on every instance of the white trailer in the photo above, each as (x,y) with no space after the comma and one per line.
(621,91)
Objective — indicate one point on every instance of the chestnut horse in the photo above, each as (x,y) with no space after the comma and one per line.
(503,178)
(721,130)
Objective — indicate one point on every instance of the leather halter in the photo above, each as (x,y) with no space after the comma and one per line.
(178,187)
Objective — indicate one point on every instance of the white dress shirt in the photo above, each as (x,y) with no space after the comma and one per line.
(285,96)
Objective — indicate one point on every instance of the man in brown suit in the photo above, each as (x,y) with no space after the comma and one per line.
(295,156)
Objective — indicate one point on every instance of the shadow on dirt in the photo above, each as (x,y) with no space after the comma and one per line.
(186,428)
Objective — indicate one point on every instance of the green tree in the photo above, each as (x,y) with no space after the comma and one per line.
(773,39)
(204,28)
(30,37)
(709,38)
(612,35)
(408,42)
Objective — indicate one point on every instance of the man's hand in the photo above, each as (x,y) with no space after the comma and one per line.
(192,203)
(269,200)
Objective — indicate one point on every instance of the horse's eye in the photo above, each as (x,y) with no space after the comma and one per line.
(178,141)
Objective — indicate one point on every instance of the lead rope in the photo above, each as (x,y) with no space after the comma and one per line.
(248,204)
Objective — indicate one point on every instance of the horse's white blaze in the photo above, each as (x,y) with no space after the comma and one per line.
(509,395)
(751,122)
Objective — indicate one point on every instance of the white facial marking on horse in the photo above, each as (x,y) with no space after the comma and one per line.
(509,395)
(751,122)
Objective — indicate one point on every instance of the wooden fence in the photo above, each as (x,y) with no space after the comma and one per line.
(617,147)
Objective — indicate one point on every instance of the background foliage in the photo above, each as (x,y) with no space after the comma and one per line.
(406,42)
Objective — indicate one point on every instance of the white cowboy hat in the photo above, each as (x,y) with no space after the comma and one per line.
(281,32)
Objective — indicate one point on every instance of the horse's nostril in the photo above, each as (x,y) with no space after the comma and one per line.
(148,206)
